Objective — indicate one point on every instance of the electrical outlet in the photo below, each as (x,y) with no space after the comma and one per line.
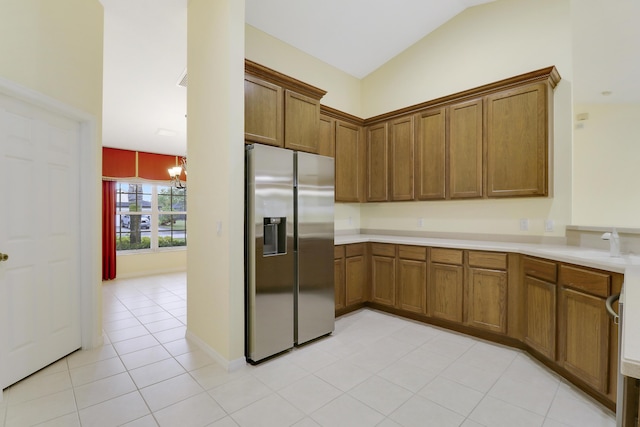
(524,224)
(548,225)
(350,221)
(420,222)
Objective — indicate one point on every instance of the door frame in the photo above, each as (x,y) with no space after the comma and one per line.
(90,169)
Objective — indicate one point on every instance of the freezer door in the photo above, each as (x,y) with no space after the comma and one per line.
(270,251)
(315,200)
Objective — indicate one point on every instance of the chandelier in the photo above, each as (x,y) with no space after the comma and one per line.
(174,173)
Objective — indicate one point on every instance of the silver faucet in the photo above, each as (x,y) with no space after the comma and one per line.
(614,242)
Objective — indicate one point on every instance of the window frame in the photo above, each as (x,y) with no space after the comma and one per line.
(154,215)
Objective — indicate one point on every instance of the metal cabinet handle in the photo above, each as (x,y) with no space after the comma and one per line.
(3,257)
(609,305)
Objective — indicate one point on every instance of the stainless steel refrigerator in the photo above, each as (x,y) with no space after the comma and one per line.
(289,199)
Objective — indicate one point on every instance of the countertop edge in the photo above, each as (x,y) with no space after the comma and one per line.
(586,257)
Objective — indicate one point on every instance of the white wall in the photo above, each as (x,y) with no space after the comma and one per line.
(606,154)
(481,45)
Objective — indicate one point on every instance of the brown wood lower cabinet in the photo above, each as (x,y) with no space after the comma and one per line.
(540,305)
(412,279)
(553,309)
(339,279)
(383,274)
(446,284)
(584,337)
(540,309)
(487,307)
(487,291)
(355,277)
(351,276)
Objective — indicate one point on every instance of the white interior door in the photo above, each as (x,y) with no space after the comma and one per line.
(39,231)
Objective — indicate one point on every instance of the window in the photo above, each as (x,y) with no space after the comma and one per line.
(150,216)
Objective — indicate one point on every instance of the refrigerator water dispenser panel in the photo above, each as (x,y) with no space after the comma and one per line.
(275,236)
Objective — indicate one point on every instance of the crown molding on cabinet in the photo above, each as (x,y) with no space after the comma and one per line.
(282,80)
(549,74)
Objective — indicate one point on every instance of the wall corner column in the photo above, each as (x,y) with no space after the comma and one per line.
(215,149)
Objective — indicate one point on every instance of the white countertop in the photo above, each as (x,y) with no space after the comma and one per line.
(629,265)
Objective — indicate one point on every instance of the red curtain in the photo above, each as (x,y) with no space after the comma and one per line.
(108,230)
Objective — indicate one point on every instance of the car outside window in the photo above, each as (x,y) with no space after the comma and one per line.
(150,217)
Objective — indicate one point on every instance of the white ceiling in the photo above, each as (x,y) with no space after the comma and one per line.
(356,36)
(145,52)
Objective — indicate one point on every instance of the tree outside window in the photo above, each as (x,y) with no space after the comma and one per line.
(150,216)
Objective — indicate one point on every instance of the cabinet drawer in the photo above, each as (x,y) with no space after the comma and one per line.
(493,260)
(383,249)
(592,282)
(338,252)
(418,253)
(446,256)
(540,269)
(354,249)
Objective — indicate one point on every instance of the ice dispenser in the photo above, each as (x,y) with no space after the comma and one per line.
(275,236)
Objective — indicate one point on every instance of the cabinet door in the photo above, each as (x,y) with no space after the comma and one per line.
(517,142)
(327,138)
(339,283)
(355,279)
(401,136)
(487,308)
(445,295)
(301,122)
(465,150)
(263,117)
(377,163)
(383,280)
(431,159)
(412,280)
(349,166)
(584,337)
(540,309)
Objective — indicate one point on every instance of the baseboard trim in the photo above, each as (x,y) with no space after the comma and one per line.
(228,365)
(150,273)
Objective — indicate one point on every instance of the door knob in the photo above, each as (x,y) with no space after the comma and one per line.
(3,257)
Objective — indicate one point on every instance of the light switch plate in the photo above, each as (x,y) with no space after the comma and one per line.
(548,225)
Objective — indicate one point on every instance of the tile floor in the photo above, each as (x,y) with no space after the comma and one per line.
(375,370)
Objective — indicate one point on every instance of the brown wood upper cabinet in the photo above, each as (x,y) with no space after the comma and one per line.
(491,141)
(349,165)
(465,149)
(327,136)
(431,160)
(302,122)
(263,112)
(280,110)
(377,163)
(401,158)
(518,131)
